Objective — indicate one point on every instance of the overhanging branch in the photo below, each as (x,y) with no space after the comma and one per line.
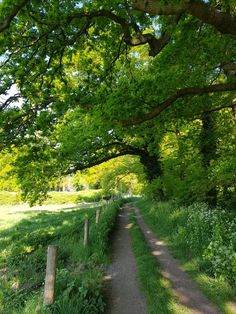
(155,44)
(98,161)
(222,21)
(188,91)
(7,21)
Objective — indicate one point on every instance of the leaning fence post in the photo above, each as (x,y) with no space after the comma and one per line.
(50,280)
(86,231)
(97,215)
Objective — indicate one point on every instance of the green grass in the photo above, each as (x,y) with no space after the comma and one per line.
(13,198)
(73,197)
(24,237)
(168,222)
(157,290)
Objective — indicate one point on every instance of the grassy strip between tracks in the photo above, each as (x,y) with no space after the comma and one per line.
(157,290)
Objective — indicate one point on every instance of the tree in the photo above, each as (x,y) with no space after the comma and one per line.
(89,90)
(121,175)
(8,180)
(44,44)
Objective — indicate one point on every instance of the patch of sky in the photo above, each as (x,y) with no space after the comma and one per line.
(79,4)
(10,93)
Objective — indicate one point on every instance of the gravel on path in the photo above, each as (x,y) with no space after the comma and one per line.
(121,284)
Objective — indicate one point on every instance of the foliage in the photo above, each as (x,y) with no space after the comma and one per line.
(23,256)
(120,175)
(8,180)
(204,242)
(211,235)
(86,196)
(77,88)
(9,198)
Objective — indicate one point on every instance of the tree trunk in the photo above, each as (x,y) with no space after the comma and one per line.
(153,170)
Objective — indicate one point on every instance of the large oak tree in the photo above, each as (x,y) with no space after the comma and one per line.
(135,67)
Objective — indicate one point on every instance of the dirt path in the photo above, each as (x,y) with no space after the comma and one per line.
(123,294)
(183,286)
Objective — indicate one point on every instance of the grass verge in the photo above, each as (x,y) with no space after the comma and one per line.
(168,222)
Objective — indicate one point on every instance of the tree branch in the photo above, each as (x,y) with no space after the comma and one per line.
(218,108)
(188,91)
(8,101)
(223,22)
(7,21)
(98,161)
(155,44)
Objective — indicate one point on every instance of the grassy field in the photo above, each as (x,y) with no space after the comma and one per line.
(13,198)
(24,237)
(167,222)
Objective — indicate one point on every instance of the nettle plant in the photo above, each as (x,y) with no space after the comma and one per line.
(212,237)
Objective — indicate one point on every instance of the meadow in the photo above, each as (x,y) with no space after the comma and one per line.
(13,198)
(25,234)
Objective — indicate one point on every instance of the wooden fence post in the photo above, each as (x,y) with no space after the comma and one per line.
(97,215)
(86,231)
(50,280)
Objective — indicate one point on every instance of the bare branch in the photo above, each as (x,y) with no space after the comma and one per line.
(98,161)
(218,108)
(8,101)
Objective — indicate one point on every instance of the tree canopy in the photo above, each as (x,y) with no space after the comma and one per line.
(94,81)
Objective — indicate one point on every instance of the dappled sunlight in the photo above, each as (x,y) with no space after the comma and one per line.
(160,243)
(230,307)
(129,226)
(156,253)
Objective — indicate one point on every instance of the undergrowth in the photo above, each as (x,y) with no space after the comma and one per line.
(204,242)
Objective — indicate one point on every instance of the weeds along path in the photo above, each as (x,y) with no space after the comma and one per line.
(123,294)
(186,290)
